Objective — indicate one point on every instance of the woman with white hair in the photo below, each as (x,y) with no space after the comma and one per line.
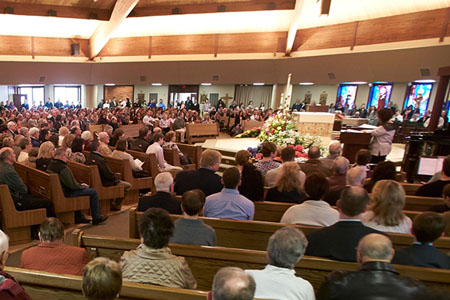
(88,138)
(9,288)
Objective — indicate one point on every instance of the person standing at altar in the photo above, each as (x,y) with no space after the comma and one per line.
(381,143)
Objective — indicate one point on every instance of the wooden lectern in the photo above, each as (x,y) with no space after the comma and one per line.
(353,142)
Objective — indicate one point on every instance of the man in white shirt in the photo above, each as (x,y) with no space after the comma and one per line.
(156,148)
(148,118)
(314,212)
(278,281)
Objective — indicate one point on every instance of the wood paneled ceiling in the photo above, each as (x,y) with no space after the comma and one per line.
(215,28)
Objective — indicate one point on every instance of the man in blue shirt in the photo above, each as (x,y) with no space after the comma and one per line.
(228,203)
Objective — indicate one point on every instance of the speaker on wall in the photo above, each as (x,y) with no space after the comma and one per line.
(75,49)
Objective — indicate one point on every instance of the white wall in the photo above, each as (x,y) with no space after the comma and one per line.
(3,93)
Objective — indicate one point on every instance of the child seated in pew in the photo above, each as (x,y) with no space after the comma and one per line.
(102,279)
(9,288)
(190,229)
(427,228)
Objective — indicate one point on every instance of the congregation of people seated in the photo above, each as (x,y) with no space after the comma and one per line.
(363,220)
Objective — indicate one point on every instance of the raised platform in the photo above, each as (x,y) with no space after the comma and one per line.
(228,146)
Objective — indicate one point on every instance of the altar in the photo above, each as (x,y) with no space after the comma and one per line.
(314,123)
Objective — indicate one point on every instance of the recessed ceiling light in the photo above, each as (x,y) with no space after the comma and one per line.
(355,82)
(157,84)
(110,84)
(306,83)
(206,83)
(258,83)
(425,81)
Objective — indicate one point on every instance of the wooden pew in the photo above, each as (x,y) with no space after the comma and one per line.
(273,211)
(410,188)
(150,164)
(201,132)
(49,186)
(16,224)
(254,235)
(132,130)
(204,262)
(96,128)
(194,153)
(172,158)
(248,125)
(123,167)
(44,286)
(91,176)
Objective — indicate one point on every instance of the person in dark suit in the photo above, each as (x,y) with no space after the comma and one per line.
(140,143)
(427,228)
(339,241)
(108,177)
(162,199)
(204,178)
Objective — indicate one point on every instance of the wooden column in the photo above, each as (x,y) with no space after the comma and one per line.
(444,74)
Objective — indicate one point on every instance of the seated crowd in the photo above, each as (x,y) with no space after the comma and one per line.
(355,206)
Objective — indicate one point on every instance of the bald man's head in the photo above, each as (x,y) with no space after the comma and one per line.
(232,283)
(335,149)
(375,247)
(353,201)
(314,152)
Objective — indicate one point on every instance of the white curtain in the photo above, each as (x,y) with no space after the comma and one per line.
(257,94)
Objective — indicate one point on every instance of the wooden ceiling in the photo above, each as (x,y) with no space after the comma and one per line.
(135,30)
(102,8)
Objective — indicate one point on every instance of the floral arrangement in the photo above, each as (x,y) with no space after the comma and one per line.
(280,129)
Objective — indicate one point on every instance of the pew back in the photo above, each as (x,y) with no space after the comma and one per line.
(194,153)
(201,132)
(248,125)
(17,223)
(48,186)
(132,130)
(273,211)
(255,234)
(204,262)
(44,286)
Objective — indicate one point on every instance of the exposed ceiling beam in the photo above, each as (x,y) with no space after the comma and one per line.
(104,31)
(145,9)
(294,26)
(62,11)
